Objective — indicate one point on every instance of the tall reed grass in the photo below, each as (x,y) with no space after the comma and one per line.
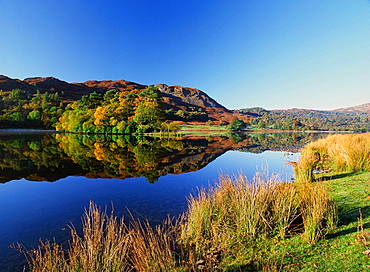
(336,153)
(319,213)
(222,222)
(108,244)
(236,212)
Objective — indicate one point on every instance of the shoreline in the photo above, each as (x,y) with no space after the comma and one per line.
(207,130)
(10,131)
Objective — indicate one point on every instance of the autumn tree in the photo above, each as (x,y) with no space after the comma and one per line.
(139,111)
(237,124)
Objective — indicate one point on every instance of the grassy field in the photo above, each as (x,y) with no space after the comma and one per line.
(342,164)
(201,130)
(341,250)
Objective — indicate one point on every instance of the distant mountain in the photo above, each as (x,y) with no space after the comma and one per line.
(355,119)
(307,113)
(175,97)
(360,110)
(364,108)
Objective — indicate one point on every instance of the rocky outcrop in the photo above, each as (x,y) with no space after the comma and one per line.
(191,99)
(121,85)
(189,95)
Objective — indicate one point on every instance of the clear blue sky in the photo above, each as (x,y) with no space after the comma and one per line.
(273,54)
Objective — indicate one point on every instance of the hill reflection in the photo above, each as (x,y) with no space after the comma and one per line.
(51,157)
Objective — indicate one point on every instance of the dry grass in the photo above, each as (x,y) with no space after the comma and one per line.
(336,153)
(104,244)
(153,249)
(319,212)
(236,212)
(363,234)
(108,244)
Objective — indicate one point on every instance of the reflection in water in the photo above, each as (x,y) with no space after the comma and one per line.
(54,156)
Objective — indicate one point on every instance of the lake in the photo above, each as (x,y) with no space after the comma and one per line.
(47,180)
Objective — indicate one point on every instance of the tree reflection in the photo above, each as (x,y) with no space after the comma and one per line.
(54,156)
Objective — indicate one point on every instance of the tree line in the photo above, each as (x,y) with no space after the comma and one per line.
(21,109)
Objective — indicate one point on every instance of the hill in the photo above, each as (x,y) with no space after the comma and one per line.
(364,108)
(307,113)
(175,98)
(345,119)
(361,110)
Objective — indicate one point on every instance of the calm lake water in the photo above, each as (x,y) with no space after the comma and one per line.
(47,180)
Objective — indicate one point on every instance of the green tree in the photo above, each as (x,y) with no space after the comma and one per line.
(149,113)
(237,124)
(17,94)
(17,118)
(34,115)
(262,124)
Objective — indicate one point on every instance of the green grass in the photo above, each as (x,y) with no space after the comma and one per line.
(214,130)
(203,127)
(201,130)
(343,249)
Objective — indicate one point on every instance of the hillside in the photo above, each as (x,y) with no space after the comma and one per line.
(346,119)
(364,108)
(361,110)
(307,113)
(175,98)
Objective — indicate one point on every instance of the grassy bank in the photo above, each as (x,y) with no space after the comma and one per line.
(107,244)
(346,153)
(342,164)
(345,248)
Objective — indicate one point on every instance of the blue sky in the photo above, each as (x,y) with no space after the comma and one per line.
(273,54)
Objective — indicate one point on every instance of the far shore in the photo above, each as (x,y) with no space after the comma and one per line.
(187,130)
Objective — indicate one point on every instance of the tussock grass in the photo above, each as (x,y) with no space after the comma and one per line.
(346,153)
(236,212)
(108,244)
(154,249)
(103,246)
(234,224)
(319,211)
